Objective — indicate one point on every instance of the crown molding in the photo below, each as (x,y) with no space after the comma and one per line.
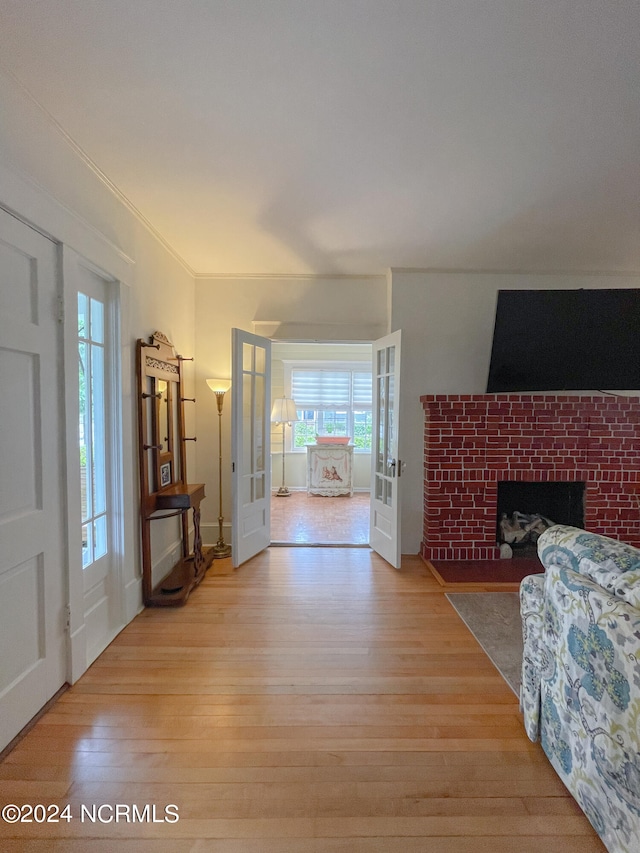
(484,271)
(104,179)
(289,276)
(26,178)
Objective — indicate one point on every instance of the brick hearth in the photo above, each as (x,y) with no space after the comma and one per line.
(474,441)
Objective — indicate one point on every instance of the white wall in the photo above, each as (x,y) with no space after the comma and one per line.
(292,308)
(447,329)
(46,182)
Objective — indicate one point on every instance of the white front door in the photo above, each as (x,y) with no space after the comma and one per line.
(386,468)
(33,594)
(251,445)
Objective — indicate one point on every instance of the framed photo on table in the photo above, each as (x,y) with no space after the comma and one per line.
(165,475)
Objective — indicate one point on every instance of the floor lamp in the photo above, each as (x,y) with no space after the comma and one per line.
(219,388)
(284,412)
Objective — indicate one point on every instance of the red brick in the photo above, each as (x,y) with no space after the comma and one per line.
(472,441)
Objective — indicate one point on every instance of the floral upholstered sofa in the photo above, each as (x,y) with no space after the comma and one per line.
(580,690)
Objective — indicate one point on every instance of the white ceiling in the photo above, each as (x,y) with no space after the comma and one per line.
(348,136)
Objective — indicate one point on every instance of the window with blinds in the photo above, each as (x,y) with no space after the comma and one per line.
(332,401)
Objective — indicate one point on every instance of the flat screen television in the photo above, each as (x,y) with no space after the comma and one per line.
(566,340)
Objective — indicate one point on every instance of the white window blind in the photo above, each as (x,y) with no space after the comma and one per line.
(362,389)
(322,389)
(331,400)
(331,389)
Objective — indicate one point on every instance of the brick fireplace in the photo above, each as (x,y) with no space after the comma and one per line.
(474,442)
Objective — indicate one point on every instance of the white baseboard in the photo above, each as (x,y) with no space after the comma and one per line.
(167,560)
(211,531)
(77,654)
(132,599)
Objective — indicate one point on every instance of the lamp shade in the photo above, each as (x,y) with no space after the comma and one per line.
(219,386)
(284,411)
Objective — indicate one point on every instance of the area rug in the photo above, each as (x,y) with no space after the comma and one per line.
(494,620)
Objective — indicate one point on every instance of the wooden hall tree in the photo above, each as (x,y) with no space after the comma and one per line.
(164,489)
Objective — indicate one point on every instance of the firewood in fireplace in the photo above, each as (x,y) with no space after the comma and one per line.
(522,527)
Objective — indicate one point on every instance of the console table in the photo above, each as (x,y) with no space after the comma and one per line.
(330,469)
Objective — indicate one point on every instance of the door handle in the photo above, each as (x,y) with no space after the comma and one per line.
(397,467)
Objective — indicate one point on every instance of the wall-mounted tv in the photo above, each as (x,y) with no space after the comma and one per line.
(566,340)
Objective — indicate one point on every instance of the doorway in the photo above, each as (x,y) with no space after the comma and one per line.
(331,385)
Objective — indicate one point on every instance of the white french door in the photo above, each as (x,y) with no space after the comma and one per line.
(94,462)
(386,468)
(250,444)
(33,580)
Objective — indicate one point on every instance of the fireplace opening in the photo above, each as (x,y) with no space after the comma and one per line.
(525,510)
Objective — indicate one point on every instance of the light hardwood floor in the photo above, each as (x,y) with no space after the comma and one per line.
(313,701)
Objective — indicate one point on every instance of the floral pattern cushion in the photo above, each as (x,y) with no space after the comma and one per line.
(581,675)
(613,565)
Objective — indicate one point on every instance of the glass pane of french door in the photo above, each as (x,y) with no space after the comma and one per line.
(92,428)
(384,474)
